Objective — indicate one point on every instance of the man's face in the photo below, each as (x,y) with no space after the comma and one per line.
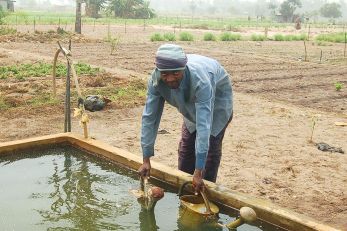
(172,78)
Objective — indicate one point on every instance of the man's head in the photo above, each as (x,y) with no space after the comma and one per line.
(171,61)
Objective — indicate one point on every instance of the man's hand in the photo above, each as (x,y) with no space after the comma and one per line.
(198,183)
(145,168)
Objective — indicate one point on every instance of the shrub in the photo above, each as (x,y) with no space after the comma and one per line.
(170,36)
(209,37)
(300,37)
(332,37)
(7,30)
(156,37)
(289,37)
(186,36)
(338,86)
(278,37)
(2,15)
(258,37)
(226,36)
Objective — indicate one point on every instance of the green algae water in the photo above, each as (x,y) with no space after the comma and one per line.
(63,188)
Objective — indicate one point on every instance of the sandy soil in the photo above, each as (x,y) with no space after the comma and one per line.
(266,150)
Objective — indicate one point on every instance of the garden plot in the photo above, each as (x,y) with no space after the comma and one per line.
(266,148)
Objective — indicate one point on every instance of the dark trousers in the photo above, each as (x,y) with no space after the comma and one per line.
(186,153)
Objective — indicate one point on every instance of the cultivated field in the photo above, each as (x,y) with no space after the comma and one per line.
(277,94)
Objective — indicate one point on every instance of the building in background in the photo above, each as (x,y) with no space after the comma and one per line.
(7,4)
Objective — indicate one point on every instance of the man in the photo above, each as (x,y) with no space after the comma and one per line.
(200,89)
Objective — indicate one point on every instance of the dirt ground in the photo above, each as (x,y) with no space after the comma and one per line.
(266,151)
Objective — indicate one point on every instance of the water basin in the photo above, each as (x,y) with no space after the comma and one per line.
(64,188)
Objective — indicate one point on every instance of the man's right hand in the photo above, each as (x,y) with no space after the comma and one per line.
(145,168)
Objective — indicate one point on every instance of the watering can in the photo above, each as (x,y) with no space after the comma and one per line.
(198,211)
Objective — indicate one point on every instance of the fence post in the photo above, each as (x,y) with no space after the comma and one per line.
(34,24)
(344,52)
(125,26)
(321,55)
(309,30)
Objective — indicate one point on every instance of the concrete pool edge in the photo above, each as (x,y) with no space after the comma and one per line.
(266,210)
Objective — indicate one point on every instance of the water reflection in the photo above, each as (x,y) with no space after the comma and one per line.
(147,220)
(74,200)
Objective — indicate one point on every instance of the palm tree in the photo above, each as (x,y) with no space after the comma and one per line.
(78,23)
(93,7)
(131,9)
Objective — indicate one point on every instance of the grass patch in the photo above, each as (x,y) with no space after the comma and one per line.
(227,36)
(156,37)
(43,99)
(332,37)
(7,31)
(169,37)
(209,37)
(42,69)
(3,104)
(130,94)
(186,36)
(258,37)
(289,37)
(279,37)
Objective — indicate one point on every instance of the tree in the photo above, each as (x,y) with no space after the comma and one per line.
(93,7)
(272,5)
(288,8)
(331,10)
(131,9)
(192,7)
(78,22)
(2,15)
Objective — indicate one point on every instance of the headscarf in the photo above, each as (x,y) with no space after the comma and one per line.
(170,57)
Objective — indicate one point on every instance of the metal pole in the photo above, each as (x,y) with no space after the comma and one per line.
(67,124)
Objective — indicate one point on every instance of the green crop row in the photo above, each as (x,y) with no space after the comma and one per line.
(42,69)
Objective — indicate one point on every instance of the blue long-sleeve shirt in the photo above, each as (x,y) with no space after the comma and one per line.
(204,98)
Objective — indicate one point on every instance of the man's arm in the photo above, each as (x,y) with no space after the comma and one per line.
(204,111)
(150,123)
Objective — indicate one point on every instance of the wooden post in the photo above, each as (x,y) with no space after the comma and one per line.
(109,31)
(321,55)
(34,24)
(308,33)
(344,30)
(305,51)
(125,26)
(344,52)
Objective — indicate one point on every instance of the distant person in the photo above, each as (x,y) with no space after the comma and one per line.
(201,90)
